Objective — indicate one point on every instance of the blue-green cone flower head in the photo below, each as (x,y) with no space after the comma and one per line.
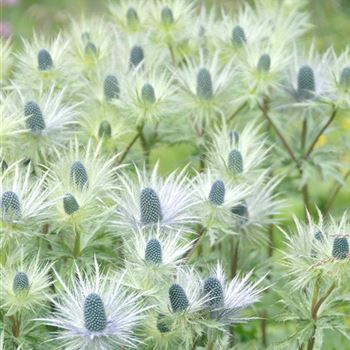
(238,36)
(78,175)
(340,248)
(153,252)
(306,82)
(318,237)
(70,204)
(147,93)
(241,210)
(3,165)
(162,324)
(85,37)
(214,291)
(178,298)
(35,121)
(344,81)
(111,88)
(132,16)
(90,49)
(151,211)
(136,56)
(10,206)
(217,193)
(264,63)
(95,318)
(105,130)
(44,60)
(20,283)
(167,15)
(235,161)
(204,84)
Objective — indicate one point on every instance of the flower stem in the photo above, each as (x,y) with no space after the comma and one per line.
(234,255)
(15,325)
(144,145)
(76,249)
(128,147)
(237,111)
(314,142)
(200,233)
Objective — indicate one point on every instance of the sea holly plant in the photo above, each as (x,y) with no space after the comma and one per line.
(173,176)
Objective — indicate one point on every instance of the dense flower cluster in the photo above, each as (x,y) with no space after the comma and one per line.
(127,257)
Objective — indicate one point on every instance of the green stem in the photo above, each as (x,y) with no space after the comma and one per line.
(144,145)
(128,147)
(234,255)
(76,249)
(200,233)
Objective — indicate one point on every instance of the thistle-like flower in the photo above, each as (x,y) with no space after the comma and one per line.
(217,198)
(152,257)
(234,154)
(84,182)
(147,96)
(24,203)
(205,88)
(42,63)
(24,285)
(318,250)
(150,200)
(95,312)
(226,300)
(48,121)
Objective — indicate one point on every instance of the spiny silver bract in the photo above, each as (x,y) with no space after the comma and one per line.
(204,84)
(213,289)
(178,298)
(161,324)
(235,161)
(167,15)
(20,283)
(151,212)
(70,204)
(90,48)
(132,16)
(136,56)
(105,130)
(111,88)
(10,206)
(95,318)
(35,121)
(78,174)
(306,82)
(44,60)
(264,63)
(340,248)
(148,94)
(217,193)
(238,36)
(153,251)
(344,81)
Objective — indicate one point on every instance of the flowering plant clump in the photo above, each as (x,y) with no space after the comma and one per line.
(165,172)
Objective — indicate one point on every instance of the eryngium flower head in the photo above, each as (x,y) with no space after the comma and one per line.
(178,298)
(306,82)
(152,256)
(78,175)
(105,130)
(236,155)
(340,248)
(217,193)
(226,300)
(150,200)
(111,87)
(238,36)
(24,284)
(35,121)
(44,60)
(264,63)
(70,204)
(205,86)
(95,312)
(24,203)
(136,56)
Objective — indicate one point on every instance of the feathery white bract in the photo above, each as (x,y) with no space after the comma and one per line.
(238,295)
(249,141)
(122,309)
(174,192)
(34,201)
(36,295)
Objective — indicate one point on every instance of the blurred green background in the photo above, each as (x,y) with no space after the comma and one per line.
(330,17)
